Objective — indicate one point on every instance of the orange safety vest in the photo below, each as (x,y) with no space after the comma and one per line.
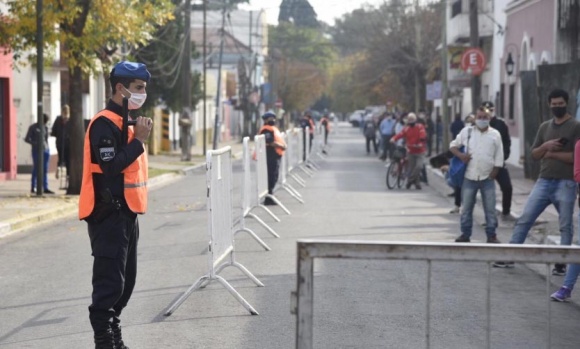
(277,137)
(135,175)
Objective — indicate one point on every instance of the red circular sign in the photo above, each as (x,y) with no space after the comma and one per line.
(473,61)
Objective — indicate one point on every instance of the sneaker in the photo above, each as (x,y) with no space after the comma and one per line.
(507,218)
(455,210)
(559,269)
(562,295)
(493,240)
(462,238)
(269,202)
(503,264)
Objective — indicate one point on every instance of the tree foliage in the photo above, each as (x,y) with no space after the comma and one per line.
(302,58)
(391,63)
(89,33)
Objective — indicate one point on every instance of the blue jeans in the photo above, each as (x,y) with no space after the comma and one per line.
(572,271)
(35,164)
(468,193)
(559,192)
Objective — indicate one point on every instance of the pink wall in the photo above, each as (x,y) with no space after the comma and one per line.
(9,136)
(531,25)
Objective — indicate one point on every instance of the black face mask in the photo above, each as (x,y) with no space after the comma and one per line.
(271,122)
(559,112)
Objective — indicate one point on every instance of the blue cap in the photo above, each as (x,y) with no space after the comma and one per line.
(133,70)
(268,114)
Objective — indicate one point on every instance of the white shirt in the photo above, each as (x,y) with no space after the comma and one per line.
(485,148)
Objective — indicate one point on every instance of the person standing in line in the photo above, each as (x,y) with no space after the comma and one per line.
(113,194)
(484,158)
(275,147)
(60,130)
(415,137)
(430,128)
(503,176)
(554,147)
(32,138)
(573,270)
(456,126)
(370,133)
(387,129)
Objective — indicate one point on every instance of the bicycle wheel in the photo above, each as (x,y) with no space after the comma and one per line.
(392,175)
(402,178)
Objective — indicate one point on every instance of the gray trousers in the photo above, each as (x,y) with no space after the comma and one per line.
(414,166)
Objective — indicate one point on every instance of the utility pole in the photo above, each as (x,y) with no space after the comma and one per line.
(444,82)
(39,92)
(219,82)
(417,57)
(204,77)
(185,122)
(474,41)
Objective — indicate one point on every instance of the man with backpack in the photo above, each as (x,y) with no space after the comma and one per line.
(483,157)
(370,132)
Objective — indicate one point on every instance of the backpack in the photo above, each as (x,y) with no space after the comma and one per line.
(457,168)
(370,129)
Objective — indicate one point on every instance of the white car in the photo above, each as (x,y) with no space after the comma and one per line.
(356,118)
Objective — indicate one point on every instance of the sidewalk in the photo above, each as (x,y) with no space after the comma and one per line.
(19,209)
(546,229)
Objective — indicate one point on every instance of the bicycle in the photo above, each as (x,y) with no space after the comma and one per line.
(397,171)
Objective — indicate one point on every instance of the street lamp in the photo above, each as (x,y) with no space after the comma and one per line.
(509,65)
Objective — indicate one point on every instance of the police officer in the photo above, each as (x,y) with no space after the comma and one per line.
(503,176)
(113,193)
(275,147)
(325,126)
(305,122)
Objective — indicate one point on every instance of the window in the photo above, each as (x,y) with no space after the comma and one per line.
(501,102)
(512,94)
(455,8)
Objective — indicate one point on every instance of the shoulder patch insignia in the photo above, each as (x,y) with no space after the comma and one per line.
(107,154)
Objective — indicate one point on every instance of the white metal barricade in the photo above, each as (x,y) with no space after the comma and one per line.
(250,199)
(309,162)
(282,181)
(308,250)
(220,229)
(293,155)
(262,173)
(303,151)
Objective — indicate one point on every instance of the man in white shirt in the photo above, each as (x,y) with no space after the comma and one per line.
(484,158)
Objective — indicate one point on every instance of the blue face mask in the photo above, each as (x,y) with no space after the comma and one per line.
(481,124)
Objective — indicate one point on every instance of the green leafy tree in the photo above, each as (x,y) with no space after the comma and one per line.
(89,33)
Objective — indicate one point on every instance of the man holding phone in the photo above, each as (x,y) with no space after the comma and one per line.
(554,147)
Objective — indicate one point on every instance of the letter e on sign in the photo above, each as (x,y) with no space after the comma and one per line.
(473,60)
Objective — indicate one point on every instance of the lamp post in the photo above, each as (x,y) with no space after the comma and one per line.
(509,65)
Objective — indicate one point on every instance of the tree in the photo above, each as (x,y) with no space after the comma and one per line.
(299,12)
(89,33)
(301,58)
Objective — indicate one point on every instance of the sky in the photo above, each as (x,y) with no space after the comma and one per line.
(327,10)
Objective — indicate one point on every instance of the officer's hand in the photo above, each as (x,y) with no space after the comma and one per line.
(143,128)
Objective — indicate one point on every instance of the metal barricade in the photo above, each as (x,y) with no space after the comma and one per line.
(302,151)
(308,250)
(309,162)
(293,155)
(282,181)
(262,173)
(250,199)
(220,228)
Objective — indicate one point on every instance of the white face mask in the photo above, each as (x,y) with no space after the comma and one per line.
(136,100)
(481,124)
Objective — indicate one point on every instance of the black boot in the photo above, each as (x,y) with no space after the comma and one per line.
(104,340)
(117,336)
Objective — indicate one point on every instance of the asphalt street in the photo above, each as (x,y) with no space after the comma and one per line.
(45,274)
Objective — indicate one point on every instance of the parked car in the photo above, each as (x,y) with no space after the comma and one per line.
(356,118)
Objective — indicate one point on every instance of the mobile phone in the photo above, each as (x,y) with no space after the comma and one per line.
(563,141)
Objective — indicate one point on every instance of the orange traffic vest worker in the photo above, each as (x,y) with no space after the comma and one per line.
(325,122)
(113,193)
(275,147)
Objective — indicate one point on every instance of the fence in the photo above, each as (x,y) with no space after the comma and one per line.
(293,155)
(250,195)
(283,173)
(220,228)
(262,172)
(308,250)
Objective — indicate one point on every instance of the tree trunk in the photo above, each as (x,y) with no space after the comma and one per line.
(77,132)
